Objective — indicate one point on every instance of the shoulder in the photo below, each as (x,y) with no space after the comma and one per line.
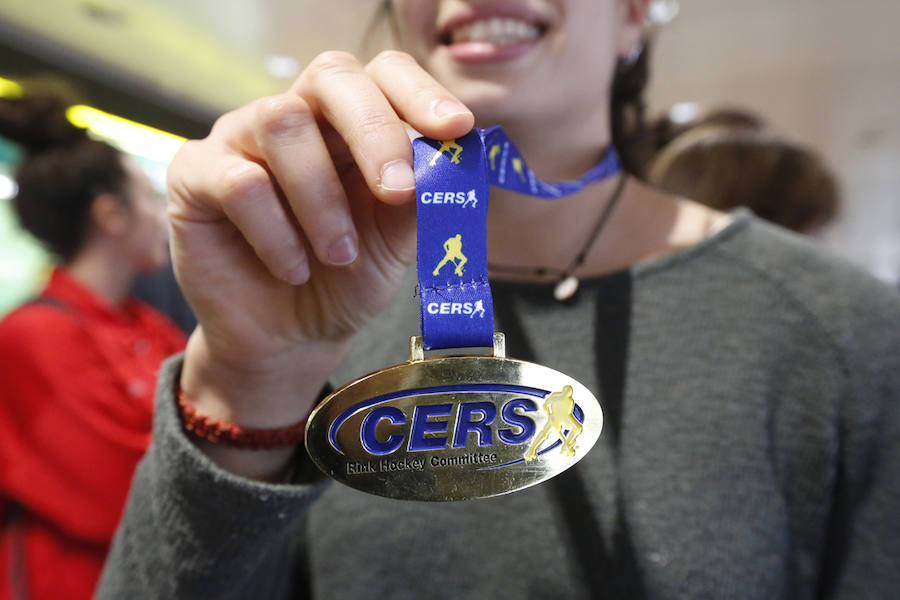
(36,321)
(856,312)
(38,337)
(808,273)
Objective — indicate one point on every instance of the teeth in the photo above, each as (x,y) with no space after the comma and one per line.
(496,30)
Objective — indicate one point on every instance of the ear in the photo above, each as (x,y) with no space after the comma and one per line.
(109,214)
(634,16)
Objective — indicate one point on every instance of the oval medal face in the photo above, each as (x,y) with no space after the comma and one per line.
(453,428)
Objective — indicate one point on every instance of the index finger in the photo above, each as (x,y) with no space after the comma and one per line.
(338,87)
(418,98)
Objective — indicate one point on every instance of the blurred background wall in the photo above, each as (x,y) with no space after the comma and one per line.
(826,72)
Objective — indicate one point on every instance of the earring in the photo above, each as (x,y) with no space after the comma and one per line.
(633,56)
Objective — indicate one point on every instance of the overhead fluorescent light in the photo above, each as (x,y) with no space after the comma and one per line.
(10,89)
(127,135)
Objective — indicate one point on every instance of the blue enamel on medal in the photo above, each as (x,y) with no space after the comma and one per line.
(458,427)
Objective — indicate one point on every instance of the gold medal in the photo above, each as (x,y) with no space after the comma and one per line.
(453,427)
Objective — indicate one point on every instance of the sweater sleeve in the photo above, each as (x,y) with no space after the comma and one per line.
(193,530)
(863,556)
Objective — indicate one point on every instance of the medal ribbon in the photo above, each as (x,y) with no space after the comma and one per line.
(453,179)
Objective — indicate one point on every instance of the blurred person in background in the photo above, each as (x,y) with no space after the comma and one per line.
(666,128)
(77,364)
(725,165)
(749,383)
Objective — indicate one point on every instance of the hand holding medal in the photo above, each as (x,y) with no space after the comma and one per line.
(266,213)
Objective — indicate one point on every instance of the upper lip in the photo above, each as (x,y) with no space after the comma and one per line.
(480,11)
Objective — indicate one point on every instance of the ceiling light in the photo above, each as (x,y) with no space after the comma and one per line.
(128,136)
(8,187)
(285,67)
(684,112)
(663,12)
(10,89)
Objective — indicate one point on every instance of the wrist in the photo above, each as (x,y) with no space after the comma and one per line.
(258,392)
(234,435)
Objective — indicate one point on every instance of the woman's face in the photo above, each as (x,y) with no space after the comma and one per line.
(519,59)
(145,241)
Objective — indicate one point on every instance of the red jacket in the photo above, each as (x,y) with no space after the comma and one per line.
(77,378)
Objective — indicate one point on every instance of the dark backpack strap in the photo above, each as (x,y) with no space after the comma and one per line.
(14,518)
(61,305)
(51,301)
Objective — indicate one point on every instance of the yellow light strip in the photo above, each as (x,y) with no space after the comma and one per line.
(128,136)
(10,89)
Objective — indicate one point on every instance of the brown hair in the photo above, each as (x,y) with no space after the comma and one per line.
(62,173)
(629,130)
(725,167)
(663,130)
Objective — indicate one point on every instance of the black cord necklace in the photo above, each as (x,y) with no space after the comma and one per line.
(567,283)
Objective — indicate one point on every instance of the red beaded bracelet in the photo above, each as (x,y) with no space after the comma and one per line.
(231,434)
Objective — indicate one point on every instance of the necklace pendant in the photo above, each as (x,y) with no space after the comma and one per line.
(453,427)
(566,288)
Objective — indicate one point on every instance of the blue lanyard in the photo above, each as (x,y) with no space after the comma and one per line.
(453,179)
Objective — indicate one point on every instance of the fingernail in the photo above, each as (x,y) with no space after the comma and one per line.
(343,251)
(397,175)
(444,109)
(298,274)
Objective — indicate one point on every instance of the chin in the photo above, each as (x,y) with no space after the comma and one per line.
(492,103)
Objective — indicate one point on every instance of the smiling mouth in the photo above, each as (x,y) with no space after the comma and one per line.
(497,31)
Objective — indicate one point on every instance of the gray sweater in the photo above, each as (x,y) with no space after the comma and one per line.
(751,449)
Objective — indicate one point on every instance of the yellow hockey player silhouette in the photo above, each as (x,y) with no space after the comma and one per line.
(560,409)
(448,146)
(495,150)
(453,249)
(518,167)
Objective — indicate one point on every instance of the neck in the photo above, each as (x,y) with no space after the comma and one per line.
(102,270)
(573,147)
(530,233)
(525,231)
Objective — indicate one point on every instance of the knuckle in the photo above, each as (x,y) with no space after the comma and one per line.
(424,93)
(393,57)
(242,182)
(224,124)
(374,122)
(279,251)
(377,129)
(282,115)
(180,172)
(183,155)
(333,62)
